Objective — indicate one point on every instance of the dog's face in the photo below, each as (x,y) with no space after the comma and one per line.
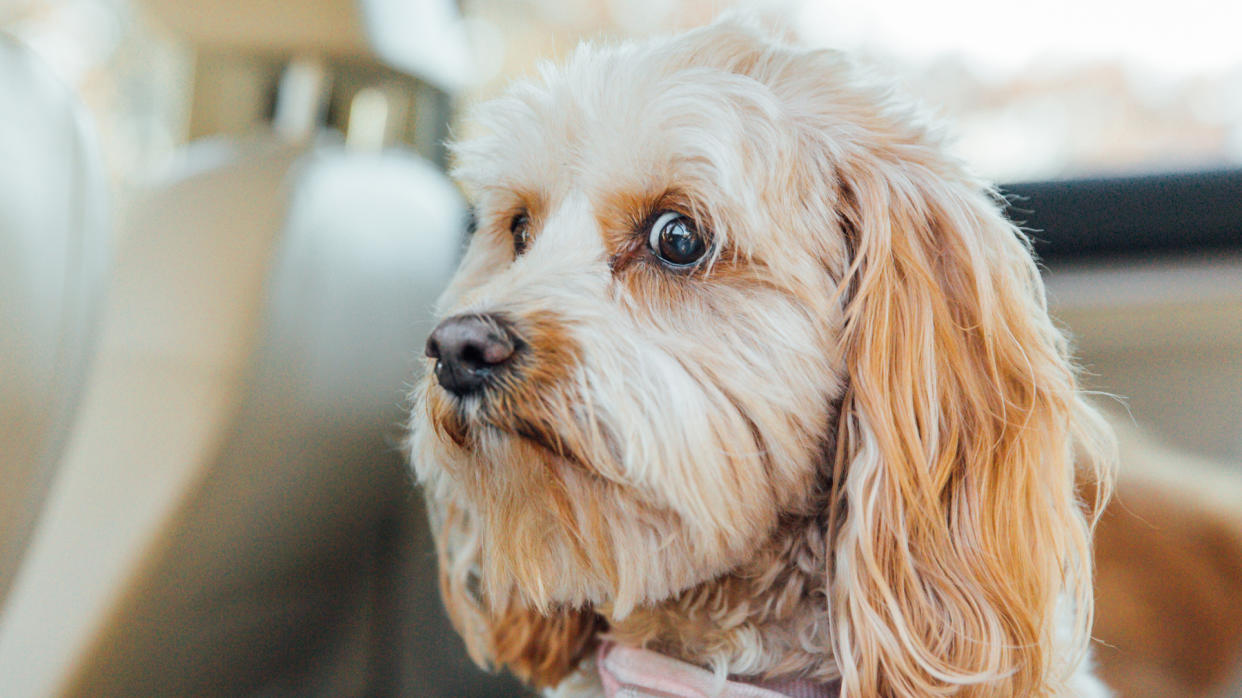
(706,271)
(671,304)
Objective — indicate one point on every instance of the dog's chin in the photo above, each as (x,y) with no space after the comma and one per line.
(475,425)
(548,445)
(554,531)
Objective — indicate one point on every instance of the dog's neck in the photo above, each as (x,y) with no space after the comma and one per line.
(765,620)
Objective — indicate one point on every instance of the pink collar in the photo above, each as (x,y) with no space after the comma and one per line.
(627,672)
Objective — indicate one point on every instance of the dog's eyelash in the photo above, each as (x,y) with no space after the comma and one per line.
(519,228)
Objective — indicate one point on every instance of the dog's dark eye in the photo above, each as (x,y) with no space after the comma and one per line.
(674,239)
(519,225)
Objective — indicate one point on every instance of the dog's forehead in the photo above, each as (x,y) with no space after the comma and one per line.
(627,125)
(628,117)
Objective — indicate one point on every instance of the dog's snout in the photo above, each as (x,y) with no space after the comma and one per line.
(468,350)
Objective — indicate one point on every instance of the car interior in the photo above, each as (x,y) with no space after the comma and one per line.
(203,378)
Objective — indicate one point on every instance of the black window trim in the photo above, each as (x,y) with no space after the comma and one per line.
(1108,217)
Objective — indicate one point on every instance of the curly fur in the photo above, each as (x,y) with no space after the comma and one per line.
(843,446)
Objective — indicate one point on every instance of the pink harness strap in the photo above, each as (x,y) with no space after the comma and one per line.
(627,672)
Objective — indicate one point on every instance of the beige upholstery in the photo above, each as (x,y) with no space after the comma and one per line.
(217,529)
(53,242)
(1165,335)
(270,568)
(424,38)
(181,312)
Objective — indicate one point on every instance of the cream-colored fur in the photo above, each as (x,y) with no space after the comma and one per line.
(843,445)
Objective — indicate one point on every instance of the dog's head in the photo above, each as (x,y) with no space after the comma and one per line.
(717,285)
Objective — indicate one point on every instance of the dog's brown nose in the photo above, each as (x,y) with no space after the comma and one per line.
(468,350)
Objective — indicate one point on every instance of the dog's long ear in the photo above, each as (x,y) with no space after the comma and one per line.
(541,649)
(959,537)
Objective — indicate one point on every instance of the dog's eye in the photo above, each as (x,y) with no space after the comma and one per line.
(519,225)
(674,239)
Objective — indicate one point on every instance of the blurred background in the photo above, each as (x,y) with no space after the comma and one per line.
(223,226)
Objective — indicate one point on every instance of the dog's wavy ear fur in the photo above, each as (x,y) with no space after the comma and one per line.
(540,649)
(961,547)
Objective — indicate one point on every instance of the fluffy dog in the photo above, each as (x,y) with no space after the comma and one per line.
(742,368)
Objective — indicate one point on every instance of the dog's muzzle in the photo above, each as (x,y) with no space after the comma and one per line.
(470,350)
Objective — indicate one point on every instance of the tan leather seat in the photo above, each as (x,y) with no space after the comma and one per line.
(53,254)
(182,305)
(233,514)
(237,451)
